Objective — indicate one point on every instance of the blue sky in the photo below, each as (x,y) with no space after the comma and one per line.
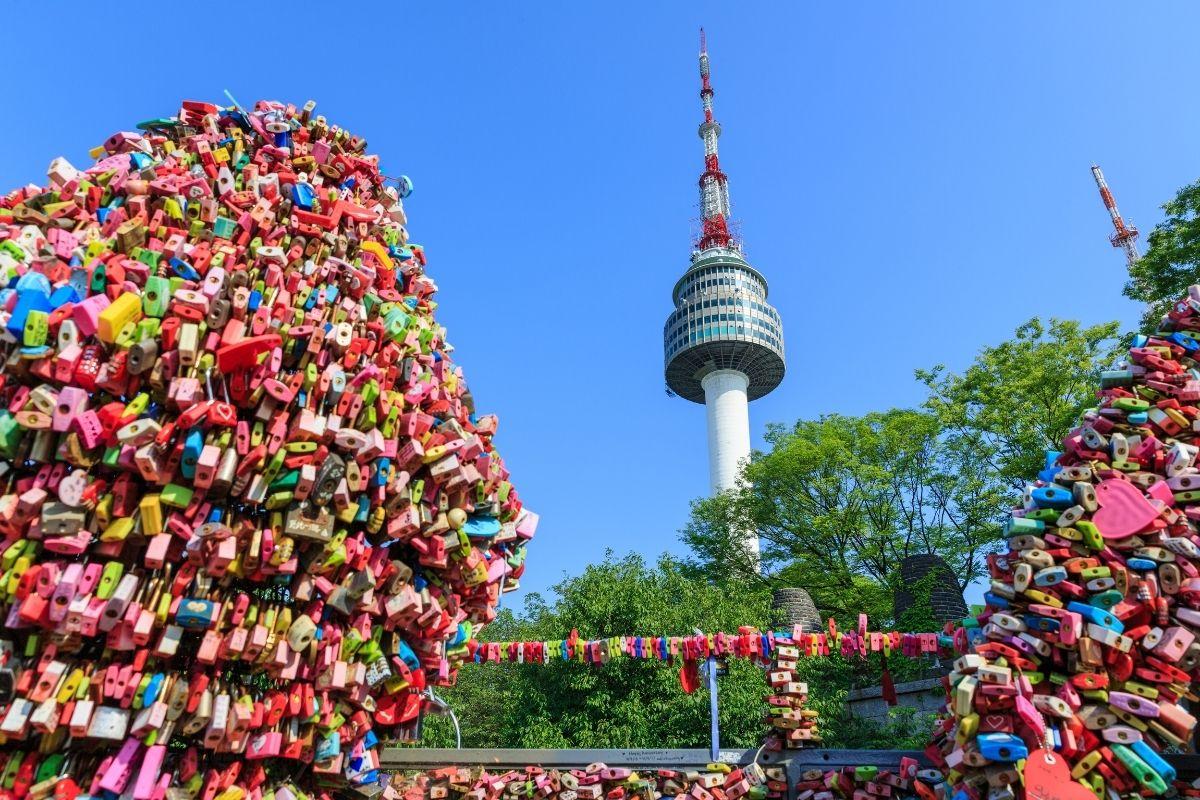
(912,179)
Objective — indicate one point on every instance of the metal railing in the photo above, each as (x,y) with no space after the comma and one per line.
(399,759)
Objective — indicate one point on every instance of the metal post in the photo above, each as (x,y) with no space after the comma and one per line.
(713,706)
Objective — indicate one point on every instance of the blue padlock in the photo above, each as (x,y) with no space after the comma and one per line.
(1049,468)
(482,527)
(995,600)
(34,282)
(193,445)
(328,747)
(1097,615)
(26,301)
(152,688)
(194,613)
(1046,624)
(79,282)
(184,270)
(1001,747)
(1186,342)
(1153,760)
(407,655)
(63,295)
(303,195)
(1052,497)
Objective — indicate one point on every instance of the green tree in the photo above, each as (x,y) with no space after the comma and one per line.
(1021,397)
(1172,260)
(839,502)
(627,702)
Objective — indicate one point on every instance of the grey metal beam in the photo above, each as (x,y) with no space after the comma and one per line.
(427,757)
(424,758)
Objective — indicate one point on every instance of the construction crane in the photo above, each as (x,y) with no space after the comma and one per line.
(1125,236)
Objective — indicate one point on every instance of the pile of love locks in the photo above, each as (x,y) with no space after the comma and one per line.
(248,510)
(1089,643)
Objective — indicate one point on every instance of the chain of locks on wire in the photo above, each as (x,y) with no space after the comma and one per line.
(748,643)
(248,510)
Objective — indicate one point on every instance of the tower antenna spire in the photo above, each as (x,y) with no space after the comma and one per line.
(714,185)
(1125,236)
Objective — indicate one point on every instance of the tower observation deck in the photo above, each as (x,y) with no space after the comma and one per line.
(723,343)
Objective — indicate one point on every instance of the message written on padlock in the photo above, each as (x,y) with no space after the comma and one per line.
(248,510)
(1088,645)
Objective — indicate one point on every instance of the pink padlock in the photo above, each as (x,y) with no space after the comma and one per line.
(72,402)
(86,314)
(120,767)
(1174,643)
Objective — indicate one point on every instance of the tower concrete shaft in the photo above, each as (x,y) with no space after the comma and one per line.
(728,426)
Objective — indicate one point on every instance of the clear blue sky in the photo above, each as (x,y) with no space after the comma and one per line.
(912,178)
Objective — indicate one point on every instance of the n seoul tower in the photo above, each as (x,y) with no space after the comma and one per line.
(723,342)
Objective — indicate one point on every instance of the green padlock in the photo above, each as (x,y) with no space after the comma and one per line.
(50,767)
(1106,600)
(36,327)
(224,228)
(176,496)
(1139,769)
(99,281)
(1130,404)
(11,433)
(150,258)
(156,296)
(1091,534)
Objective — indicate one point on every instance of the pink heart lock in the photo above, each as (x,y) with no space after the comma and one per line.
(1047,777)
(1123,511)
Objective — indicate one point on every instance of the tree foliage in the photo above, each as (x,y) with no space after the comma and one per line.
(1021,397)
(840,501)
(1172,261)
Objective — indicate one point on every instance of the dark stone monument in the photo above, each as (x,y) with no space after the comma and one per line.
(793,606)
(946,599)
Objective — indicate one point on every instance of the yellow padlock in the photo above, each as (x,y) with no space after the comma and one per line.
(125,309)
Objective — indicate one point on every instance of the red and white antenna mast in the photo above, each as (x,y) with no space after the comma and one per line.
(1126,235)
(714,186)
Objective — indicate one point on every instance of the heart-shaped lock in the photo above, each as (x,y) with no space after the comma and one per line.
(1047,777)
(1123,511)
